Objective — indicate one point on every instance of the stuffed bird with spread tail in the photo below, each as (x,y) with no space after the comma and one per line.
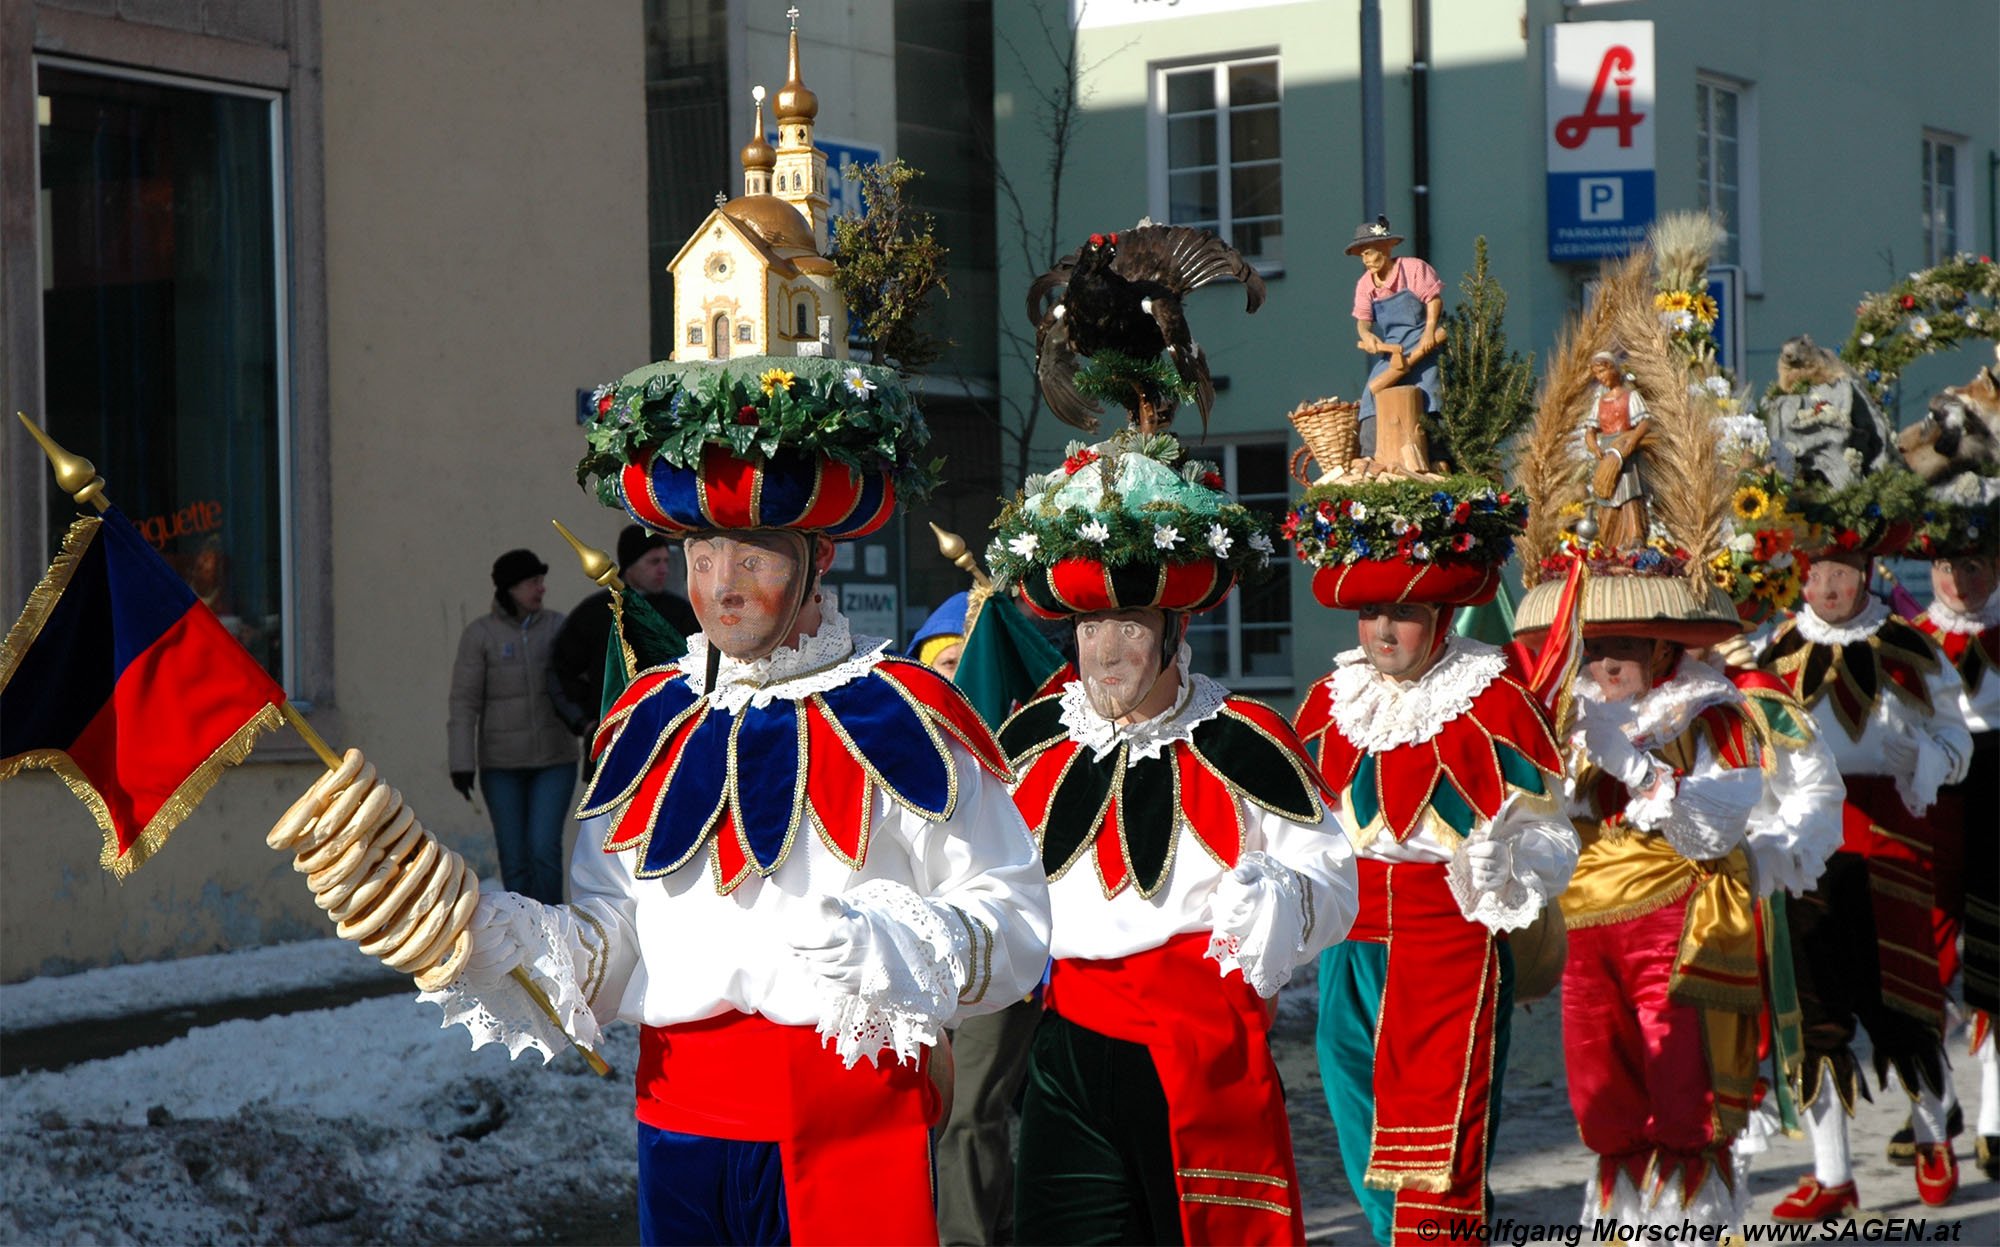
(1122,292)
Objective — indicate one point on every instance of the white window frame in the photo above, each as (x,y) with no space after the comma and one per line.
(1230,614)
(1961,194)
(1159,200)
(281,296)
(1749,199)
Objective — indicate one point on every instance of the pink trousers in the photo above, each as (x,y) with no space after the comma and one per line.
(1638,1076)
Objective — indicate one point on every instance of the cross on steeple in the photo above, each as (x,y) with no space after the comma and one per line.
(793,13)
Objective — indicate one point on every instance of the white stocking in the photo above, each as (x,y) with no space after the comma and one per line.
(1927,1115)
(1826,1122)
(1989,1085)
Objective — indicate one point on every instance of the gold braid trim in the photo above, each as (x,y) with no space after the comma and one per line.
(42,601)
(172,812)
(630,659)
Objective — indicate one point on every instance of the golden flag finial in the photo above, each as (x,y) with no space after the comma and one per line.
(75,474)
(596,563)
(952,546)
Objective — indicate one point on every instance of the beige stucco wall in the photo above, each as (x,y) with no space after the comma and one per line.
(485,249)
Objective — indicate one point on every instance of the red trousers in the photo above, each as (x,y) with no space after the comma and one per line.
(1638,1074)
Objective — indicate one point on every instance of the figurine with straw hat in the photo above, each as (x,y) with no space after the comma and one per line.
(1449,777)
(1191,858)
(1662,991)
(1883,697)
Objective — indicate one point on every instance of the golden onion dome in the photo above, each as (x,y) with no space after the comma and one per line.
(796,101)
(773,220)
(757,153)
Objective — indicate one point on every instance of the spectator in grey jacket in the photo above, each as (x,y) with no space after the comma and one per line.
(505,729)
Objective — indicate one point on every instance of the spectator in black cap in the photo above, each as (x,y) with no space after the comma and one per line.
(504,728)
(576,668)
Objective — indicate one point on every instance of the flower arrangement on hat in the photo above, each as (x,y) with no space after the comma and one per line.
(856,415)
(1931,310)
(1126,505)
(1873,513)
(1415,519)
(1759,566)
(1948,529)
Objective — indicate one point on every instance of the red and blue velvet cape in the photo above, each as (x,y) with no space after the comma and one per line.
(680,770)
(1131,811)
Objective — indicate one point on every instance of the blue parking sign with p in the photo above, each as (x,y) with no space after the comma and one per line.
(1594,215)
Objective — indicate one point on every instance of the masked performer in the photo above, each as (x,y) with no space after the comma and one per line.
(1887,703)
(1189,862)
(1964,620)
(1448,776)
(812,863)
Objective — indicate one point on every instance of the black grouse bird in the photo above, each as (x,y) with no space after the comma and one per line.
(1122,292)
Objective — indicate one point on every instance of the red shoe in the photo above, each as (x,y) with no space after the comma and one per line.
(1813,1202)
(1937,1173)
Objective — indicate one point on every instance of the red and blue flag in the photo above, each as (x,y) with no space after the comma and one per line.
(118,679)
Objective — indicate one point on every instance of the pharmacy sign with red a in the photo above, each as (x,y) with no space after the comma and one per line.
(1599,133)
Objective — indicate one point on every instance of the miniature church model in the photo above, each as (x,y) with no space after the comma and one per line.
(754,279)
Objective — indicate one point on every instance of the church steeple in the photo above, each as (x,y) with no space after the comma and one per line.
(758,155)
(800,167)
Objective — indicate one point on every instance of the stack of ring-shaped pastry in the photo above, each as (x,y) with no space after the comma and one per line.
(386,883)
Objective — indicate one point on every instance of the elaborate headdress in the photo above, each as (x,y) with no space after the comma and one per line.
(1664,587)
(813,445)
(1949,530)
(1119,526)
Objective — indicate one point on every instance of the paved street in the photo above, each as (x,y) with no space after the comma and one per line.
(1540,1167)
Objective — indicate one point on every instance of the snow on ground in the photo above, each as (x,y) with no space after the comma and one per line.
(369,1124)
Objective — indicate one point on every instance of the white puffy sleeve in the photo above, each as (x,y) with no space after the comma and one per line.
(1293,892)
(1796,825)
(1704,813)
(1543,849)
(1943,743)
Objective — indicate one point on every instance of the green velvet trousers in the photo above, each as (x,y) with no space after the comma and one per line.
(1351,977)
(1096,1162)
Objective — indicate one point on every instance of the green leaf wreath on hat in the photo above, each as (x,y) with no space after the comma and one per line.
(1932,310)
(1124,503)
(854,414)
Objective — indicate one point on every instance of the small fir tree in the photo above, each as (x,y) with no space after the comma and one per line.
(889,263)
(1487,392)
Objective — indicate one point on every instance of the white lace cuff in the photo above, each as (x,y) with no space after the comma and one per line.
(1261,923)
(918,964)
(559,959)
(1701,817)
(1509,908)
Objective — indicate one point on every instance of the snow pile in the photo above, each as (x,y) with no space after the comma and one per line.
(360,1124)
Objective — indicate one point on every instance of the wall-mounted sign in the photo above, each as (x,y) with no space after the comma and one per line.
(1599,132)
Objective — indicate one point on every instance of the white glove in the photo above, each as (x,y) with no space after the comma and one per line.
(834,941)
(1900,752)
(501,930)
(1606,744)
(1489,864)
(1258,918)
(1234,901)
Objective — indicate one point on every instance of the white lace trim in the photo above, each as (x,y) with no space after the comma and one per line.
(499,1011)
(1964,623)
(1715,1204)
(1377,713)
(1514,905)
(918,963)
(1201,699)
(1858,629)
(1661,714)
(1260,923)
(827,659)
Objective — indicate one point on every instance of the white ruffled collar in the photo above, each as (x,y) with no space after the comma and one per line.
(1853,632)
(827,659)
(1969,623)
(1201,699)
(1662,714)
(1378,713)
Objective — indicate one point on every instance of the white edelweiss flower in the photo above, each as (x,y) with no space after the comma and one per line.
(1219,540)
(1024,545)
(1358,511)
(1919,327)
(1682,321)
(1718,385)
(1971,318)
(1166,536)
(859,384)
(1398,525)
(1260,543)
(1094,531)
(1421,551)
(1867,339)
